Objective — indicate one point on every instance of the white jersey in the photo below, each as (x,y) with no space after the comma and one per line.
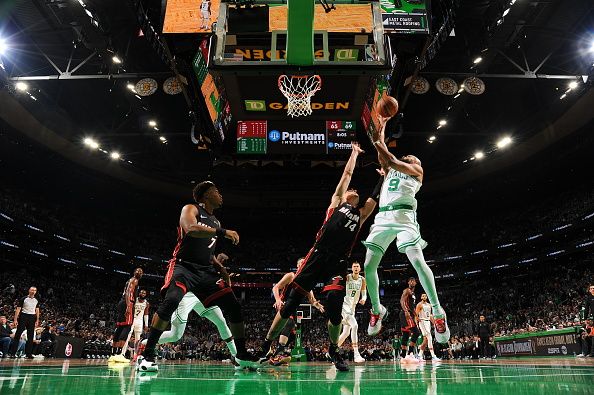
(353,293)
(399,188)
(204,6)
(425,313)
(139,308)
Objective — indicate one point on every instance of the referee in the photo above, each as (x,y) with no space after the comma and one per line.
(26,317)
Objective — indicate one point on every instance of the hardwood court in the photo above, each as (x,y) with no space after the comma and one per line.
(524,376)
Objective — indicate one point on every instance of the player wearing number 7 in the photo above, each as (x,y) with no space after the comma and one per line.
(325,262)
(397,219)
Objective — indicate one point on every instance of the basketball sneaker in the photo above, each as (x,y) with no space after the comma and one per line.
(375,321)
(280,357)
(357,358)
(118,358)
(411,359)
(337,359)
(442,332)
(247,360)
(144,365)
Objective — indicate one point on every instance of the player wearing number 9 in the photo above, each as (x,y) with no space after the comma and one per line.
(397,219)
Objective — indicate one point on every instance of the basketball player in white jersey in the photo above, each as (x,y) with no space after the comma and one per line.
(397,219)
(355,289)
(204,14)
(140,320)
(190,302)
(424,317)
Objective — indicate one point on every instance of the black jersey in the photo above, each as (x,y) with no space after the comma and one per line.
(340,229)
(411,300)
(194,253)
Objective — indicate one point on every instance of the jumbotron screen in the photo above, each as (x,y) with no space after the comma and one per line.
(261,137)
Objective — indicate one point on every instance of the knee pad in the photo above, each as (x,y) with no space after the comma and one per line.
(231,307)
(172,298)
(334,300)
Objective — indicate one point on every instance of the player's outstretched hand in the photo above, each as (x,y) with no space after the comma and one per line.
(356,147)
(233,236)
(381,172)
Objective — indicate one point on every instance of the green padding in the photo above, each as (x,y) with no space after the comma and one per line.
(300,29)
(573,329)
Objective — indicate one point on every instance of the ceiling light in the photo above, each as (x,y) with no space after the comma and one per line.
(116,60)
(3,46)
(442,122)
(152,123)
(504,142)
(89,142)
(162,138)
(115,155)
(573,85)
(479,155)
(131,87)
(21,86)
(477,60)
(458,95)
(563,96)
(506,12)
(432,138)
(592,46)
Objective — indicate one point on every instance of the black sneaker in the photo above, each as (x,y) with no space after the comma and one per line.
(337,360)
(247,360)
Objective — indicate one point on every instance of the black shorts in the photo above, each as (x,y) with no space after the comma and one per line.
(321,267)
(289,327)
(124,313)
(406,325)
(207,286)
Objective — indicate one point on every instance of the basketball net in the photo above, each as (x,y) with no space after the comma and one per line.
(299,89)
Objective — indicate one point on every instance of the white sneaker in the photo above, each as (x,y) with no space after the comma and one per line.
(119,358)
(435,359)
(580,356)
(358,358)
(142,365)
(375,321)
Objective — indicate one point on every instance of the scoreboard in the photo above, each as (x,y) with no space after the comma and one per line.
(260,137)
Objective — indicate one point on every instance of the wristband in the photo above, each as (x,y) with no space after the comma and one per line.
(220,232)
(376,142)
(377,189)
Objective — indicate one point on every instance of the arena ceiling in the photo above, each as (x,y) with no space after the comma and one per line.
(529,56)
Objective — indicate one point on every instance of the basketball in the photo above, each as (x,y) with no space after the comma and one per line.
(387,107)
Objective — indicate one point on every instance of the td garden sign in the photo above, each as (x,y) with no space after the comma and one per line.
(262,105)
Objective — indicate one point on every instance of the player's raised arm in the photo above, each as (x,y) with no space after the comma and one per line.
(347,174)
(387,158)
(372,200)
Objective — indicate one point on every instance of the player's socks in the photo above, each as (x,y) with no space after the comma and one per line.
(372,261)
(151,343)
(403,352)
(411,349)
(415,256)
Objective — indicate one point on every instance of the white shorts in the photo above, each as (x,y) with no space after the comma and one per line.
(137,328)
(205,14)
(395,224)
(188,303)
(425,327)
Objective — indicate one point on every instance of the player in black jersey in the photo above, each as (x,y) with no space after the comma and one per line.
(325,262)
(192,269)
(408,301)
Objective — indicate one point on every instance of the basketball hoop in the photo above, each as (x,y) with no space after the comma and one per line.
(299,89)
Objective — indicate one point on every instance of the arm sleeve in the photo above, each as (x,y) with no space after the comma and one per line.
(377,189)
